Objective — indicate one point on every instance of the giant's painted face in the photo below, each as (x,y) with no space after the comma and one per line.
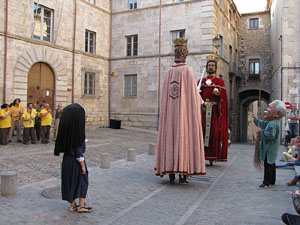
(270,112)
(211,68)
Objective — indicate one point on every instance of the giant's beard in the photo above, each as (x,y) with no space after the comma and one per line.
(211,71)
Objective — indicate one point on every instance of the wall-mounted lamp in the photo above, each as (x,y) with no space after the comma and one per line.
(217,41)
(113,74)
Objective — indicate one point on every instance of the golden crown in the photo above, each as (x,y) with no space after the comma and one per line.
(180,41)
(212,57)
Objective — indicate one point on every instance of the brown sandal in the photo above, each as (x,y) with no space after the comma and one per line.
(73,208)
(84,209)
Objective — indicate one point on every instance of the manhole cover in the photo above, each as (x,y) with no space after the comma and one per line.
(53,193)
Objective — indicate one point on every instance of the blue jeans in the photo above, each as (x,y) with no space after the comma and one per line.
(293,129)
(288,164)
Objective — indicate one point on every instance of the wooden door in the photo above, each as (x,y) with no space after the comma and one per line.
(41,85)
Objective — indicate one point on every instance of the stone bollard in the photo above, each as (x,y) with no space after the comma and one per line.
(152,149)
(9,182)
(105,161)
(131,155)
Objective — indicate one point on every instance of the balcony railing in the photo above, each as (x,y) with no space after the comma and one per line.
(253,77)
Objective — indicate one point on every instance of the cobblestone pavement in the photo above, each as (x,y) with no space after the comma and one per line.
(37,162)
(129,193)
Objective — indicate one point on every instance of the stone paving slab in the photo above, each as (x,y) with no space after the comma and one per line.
(130,193)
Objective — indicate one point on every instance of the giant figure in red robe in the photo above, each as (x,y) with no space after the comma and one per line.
(214,115)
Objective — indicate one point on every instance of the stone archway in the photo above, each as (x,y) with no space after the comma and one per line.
(246,98)
(25,63)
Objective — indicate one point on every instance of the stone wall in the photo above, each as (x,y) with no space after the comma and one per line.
(199,19)
(24,51)
(285,26)
(285,49)
(255,44)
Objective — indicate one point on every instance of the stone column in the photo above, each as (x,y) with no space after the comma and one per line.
(105,161)
(152,149)
(9,182)
(131,155)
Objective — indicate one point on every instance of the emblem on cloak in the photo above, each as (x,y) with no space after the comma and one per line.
(174,89)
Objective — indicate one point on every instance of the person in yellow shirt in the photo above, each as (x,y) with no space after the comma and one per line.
(28,118)
(5,124)
(46,121)
(17,112)
(20,105)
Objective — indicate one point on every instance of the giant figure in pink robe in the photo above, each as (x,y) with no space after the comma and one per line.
(180,146)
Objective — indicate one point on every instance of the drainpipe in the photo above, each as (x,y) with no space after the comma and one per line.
(281,69)
(109,69)
(73,55)
(159,61)
(5,53)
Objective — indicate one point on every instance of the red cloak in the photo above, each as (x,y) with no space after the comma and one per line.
(217,149)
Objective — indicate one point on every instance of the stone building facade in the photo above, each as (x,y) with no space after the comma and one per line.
(111,56)
(285,27)
(254,63)
(135,89)
(56,51)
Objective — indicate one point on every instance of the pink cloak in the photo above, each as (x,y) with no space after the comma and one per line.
(180,146)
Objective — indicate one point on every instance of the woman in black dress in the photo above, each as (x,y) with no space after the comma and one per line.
(71,141)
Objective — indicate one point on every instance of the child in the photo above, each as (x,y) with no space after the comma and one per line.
(294,161)
(71,141)
(291,152)
(28,131)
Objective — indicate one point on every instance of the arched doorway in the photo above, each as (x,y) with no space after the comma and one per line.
(247,97)
(41,85)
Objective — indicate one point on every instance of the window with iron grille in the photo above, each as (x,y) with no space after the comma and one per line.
(132,4)
(43,23)
(254,23)
(132,45)
(89,83)
(130,86)
(90,41)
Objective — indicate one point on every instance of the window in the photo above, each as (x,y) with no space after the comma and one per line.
(253,69)
(177,34)
(254,23)
(43,23)
(89,83)
(130,85)
(221,45)
(90,41)
(230,15)
(230,54)
(132,4)
(178,0)
(92,1)
(132,45)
